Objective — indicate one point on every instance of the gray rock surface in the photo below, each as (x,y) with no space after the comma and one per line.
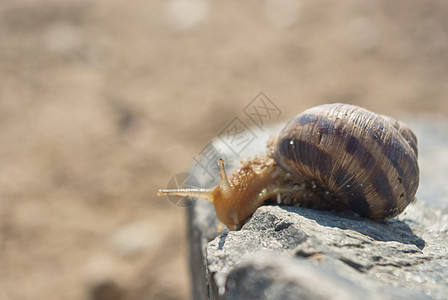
(325,255)
(296,253)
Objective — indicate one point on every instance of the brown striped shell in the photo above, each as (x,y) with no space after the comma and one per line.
(364,162)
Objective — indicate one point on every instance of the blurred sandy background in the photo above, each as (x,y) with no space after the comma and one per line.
(101,102)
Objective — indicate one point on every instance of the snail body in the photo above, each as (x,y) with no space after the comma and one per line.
(331,157)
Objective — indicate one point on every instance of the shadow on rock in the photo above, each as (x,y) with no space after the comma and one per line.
(390,230)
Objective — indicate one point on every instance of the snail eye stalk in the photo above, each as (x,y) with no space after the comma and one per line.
(201,193)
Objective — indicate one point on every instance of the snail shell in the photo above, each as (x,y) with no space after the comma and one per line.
(331,157)
(367,161)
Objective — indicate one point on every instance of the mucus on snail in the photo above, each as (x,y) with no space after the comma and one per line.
(330,157)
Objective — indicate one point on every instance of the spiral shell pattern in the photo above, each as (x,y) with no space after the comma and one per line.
(367,161)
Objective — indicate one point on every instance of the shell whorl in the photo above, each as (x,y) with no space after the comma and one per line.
(367,161)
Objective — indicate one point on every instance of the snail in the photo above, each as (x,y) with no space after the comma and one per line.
(336,157)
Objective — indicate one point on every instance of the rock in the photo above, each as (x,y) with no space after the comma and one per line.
(274,277)
(295,251)
(433,161)
(201,228)
(292,252)
(329,256)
